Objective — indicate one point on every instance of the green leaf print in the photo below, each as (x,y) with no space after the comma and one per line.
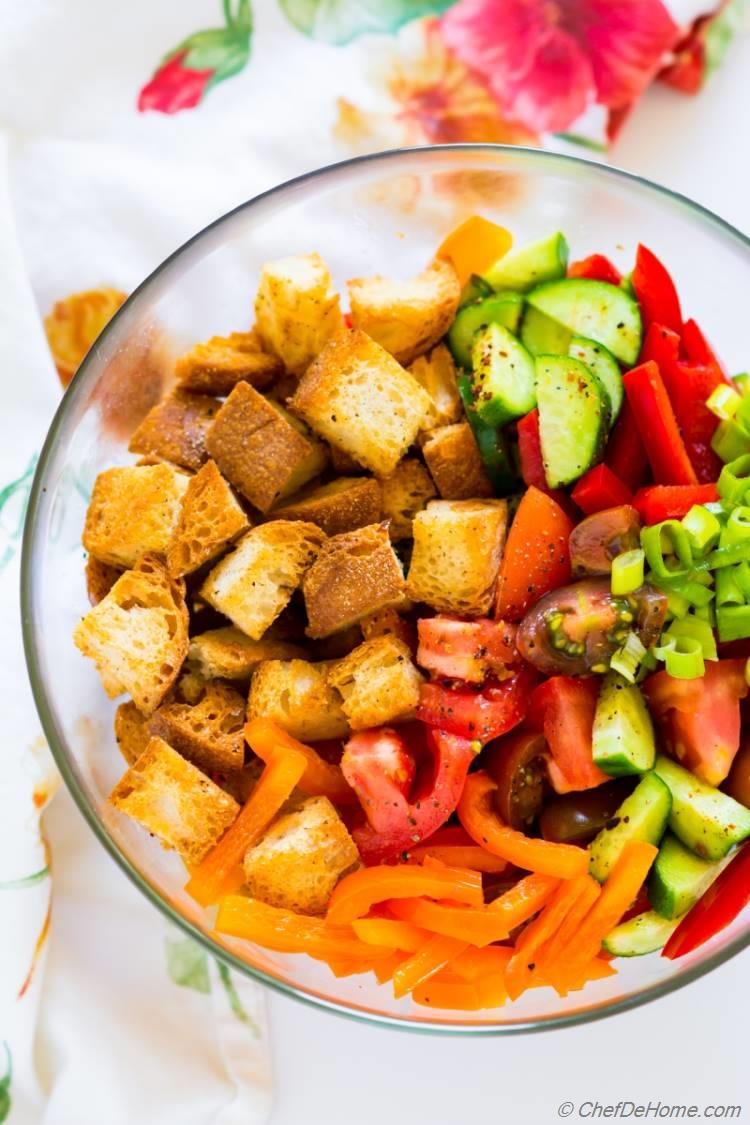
(26,880)
(339,21)
(187,964)
(14,500)
(5,1081)
(233,997)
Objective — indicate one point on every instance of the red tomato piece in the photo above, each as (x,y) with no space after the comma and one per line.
(375,763)
(655,291)
(715,910)
(477,715)
(453,649)
(671,501)
(563,707)
(536,557)
(597,267)
(598,489)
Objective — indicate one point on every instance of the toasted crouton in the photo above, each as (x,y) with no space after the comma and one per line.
(301,858)
(175,429)
(210,519)
(406,317)
(343,464)
(100,578)
(229,654)
(209,733)
(436,372)
(455,463)
(133,509)
(297,695)
(354,575)
(174,801)
(378,683)
(405,492)
(388,622)
(358,397)
(296,310)
(216,367)
(261,449)
(458,545)
(131,731)
(252,585)
(138,635)
(341,505)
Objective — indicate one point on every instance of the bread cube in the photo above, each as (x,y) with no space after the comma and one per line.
(405,492)
(138,635)
(436,373)
(359,398)
(301,858)
(354,575)
(341,505)
(217,366)
(261,449)
(378,683)
(252,585)
(131,731)
(343,464)
(387,622)
(100,578)
(210,519)
(296,309)
(209,733)
(174,801)
(455,463)
(297,695)
(458,545)
(175,429)
(132,510)
(229,654)
(406,317)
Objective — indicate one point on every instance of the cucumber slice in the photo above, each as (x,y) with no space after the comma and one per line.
(623,731)
(594,309)
(475,289)
(543,260)
(708,822)
(573,417)
(493,447)
(541,335)
(678,878)
(503,376)
(501,308)
(605,366)
(643,934)
(641,816)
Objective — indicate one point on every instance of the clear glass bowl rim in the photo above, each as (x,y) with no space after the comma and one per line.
(519,156)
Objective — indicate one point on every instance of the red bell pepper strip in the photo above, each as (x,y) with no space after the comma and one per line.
(597,268)
(626,453)
(715,910)
(658,426)
(698,349)
(598,489)
(655,291)
(530,451)
(671,501)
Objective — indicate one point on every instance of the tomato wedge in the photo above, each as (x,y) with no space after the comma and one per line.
(375,763)
(536,558)
(564,708)
(453,649)
(477,715)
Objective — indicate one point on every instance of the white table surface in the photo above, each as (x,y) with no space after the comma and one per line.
(688,1048)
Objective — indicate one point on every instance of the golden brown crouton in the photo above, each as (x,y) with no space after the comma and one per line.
(261,449)
(229,654)
(210,519)
(296,310)
(175,429)
(191,686)
(378,683)
(131,731)
(341,505)
(100,578)
(354,575)
(174,801)
(455,463)
(405,492)
(406,317)
(133,509)
(385,622)
(208,733)
(458,545)
(252,585)
(334,647)
(137,635)
(343,464)
(297,695)
(436,372)
(241,783)
(301,858)
(216,367)
(358,397)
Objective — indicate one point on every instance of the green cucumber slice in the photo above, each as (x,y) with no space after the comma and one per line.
(678,878)
(623,732)
(708,822)
(503,376)
(641,816)
(501,308)
(573,417)
(475,289)
(605,366)
(493,447)
(643,934)
(530,264)
(593,309)
(541,335)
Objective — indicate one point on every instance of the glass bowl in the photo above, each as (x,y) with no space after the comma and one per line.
(379,214)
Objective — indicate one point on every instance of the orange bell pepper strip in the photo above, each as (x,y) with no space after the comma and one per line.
(320,779)
(219,872)
(474,246)
(391,933)
(564,861)
(549,953)
(452,994)
(358,892)
(385,967)
(477,963)
(287,932)
(466,855)
(596,969)
(520,972)
(432,957)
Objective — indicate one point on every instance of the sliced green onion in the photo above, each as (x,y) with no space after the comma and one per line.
(663,539)
(627,571)
(627,659)
(706,613)
(730,440)
(699,630)
(703,528)
(682,656)
(728,591)
(734,479)
(727,556)
(742,382)
(723,401)
(692,590)
(737,527)
(741,574)
(733,622)
(747,671)
(743,413)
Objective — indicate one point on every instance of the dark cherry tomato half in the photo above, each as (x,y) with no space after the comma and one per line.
(600,538)
(737,785)
(575,818)
(517,763)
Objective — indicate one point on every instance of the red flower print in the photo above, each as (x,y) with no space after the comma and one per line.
(174,87)
(547,60)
